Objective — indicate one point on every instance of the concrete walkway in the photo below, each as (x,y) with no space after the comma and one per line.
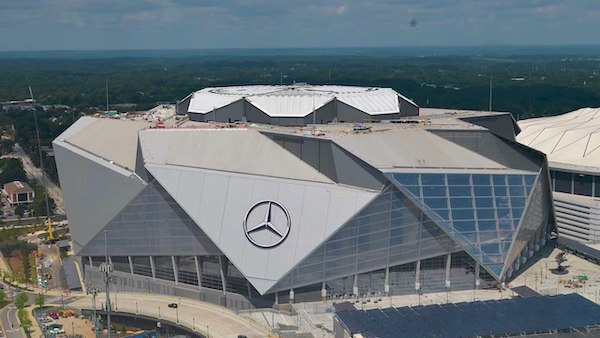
(201,317)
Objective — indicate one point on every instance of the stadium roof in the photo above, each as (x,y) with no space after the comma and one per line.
(297,100)
(570,141)
(509,317)
(245,148)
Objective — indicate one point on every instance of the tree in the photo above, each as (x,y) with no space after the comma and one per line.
(12,170)
(20,300)
(39,202)
(40,300)
(2,295)
(20,209)
(6,146)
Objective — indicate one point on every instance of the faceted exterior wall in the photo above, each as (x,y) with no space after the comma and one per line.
(389,231)
(479,211)
(151,224)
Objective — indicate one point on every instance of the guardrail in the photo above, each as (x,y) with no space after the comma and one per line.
(174,320)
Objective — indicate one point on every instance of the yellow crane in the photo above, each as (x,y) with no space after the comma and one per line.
(49,229)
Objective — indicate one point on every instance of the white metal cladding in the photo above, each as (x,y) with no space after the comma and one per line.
(572,138)
(233,150)
(119,145)
(381,101)
(94,190)
(289,105)
(297,100)
(205,102)
(412,148)
(218,202)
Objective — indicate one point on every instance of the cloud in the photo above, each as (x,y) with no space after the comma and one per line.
(341,9)
(75,24)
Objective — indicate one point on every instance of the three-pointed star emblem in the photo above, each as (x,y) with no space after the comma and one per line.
(267,223)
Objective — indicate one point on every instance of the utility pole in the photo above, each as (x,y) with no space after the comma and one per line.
(314,114)
(491,81)
(39,144)
(107,95)
(106,267)
(94,292)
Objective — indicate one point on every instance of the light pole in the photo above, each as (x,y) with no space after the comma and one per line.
(107,268)
(176,307)
(94,292)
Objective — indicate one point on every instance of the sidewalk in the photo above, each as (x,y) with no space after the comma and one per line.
(204,318)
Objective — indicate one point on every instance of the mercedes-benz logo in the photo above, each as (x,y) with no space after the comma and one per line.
(267,224)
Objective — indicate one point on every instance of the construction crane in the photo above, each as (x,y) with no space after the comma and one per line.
(37,134)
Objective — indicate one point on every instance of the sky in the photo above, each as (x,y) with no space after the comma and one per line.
(199,24)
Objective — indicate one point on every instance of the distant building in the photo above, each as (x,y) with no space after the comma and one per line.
(293,105)
(18,105)
(571,142)
(18,192)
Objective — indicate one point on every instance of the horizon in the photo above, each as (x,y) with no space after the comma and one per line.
(43,25)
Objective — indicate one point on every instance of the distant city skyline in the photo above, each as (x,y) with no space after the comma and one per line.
(189,24)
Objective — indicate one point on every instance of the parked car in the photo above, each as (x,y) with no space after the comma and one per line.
(53,315)
(54,326)
(45,320)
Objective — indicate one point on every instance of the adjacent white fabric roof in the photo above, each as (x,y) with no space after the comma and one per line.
(375,102)
(296,100)
(570,139)
(288,105)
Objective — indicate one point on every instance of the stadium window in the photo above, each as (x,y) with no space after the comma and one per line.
(582,184)
(597,186)
(563,182)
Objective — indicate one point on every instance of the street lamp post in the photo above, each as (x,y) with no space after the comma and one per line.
(94,292)
(107,268)
(176,307)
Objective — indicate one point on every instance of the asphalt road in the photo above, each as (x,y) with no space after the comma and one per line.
(10,323)
(37,174)
(8,315)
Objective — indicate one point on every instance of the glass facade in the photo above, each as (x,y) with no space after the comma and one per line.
(141,266)
(389,231)
(425,228)
(152,224)
(481,211)
(163,267)
(186,270)
(535,221)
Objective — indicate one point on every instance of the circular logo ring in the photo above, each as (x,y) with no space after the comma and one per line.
(266,224)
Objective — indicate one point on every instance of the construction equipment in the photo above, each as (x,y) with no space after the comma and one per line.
(49,228)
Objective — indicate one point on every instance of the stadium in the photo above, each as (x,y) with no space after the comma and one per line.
(295,105)
(571,142)
(258,214)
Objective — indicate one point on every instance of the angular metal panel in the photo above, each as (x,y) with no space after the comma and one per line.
(94,191)
(220,206)
(535,218)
